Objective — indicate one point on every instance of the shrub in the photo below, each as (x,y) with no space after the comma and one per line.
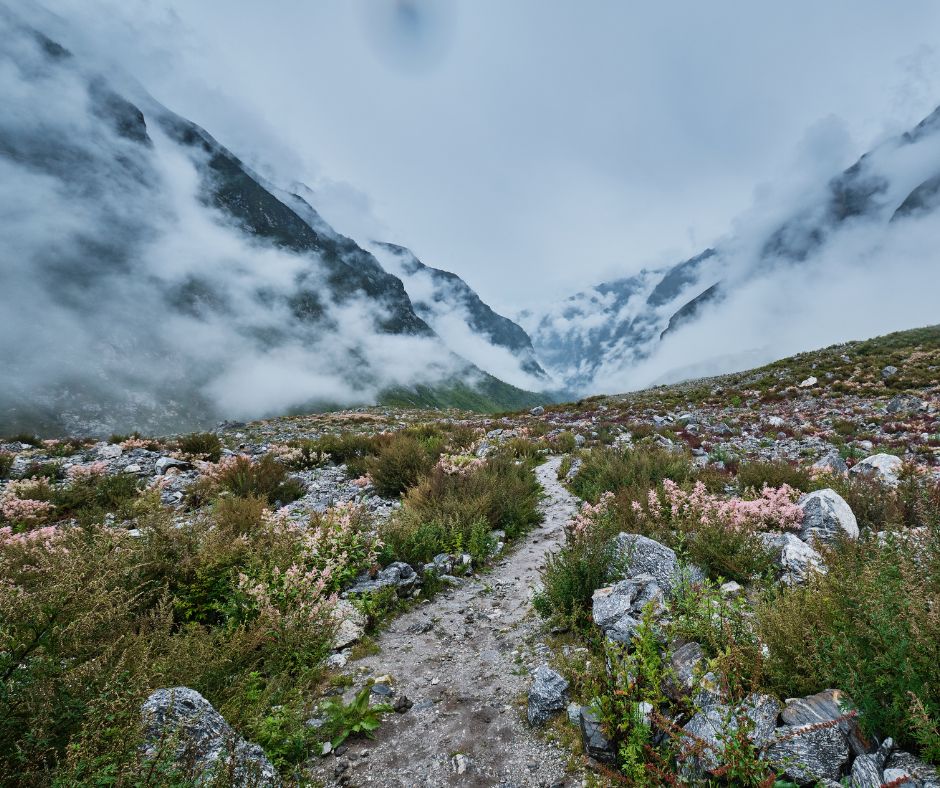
(205,445)
(266,478)
(400,463)
(868,626)
(446,510)
(6,463)
(349,448)
(756,474)
(607,469)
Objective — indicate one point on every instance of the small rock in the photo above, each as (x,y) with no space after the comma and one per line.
(538,410)
(460,763)
(888,372)
(163,464)
(922,774)
(351,624)
(132,468)
(831,704)
(809,382)
(548,695)
(401,704)
(596,744)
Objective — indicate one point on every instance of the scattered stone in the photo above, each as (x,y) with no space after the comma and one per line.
(826,518)
(889,372)
(548,695)
(809,382)
(163,464)
(831,463)
(401,704)
(716,722)
(867,770)
(109,451)
(884,467)
(731,589)
(182,719)
(397,573)
(132,468)
(684,661)
(806,754)
(922,775)
(460,763)
(538,410)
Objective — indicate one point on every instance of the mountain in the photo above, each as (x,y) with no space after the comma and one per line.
(458,315)
(604,336)
(152,280)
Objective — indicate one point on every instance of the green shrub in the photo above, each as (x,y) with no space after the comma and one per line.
(869,627)
(266,478)
(351,449)
(757,474)
(205,445)
(571,575)
(635,470)
(400,463)
(6,463)
(445,511)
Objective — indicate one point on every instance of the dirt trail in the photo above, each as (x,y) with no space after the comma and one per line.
(464,660)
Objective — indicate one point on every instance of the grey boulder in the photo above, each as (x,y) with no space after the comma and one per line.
(826,518)
(796,559)
(825,706)
(397,574)
(807,754)
(640,555)
(705,734)
(547,695)
(886,468)
(594,740)
(182,722)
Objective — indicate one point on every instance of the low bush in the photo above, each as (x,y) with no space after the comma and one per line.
(757,474)
(400,462)
(608,469)
(455,511)
(204,445)
(237,606)
(6,463)
(266,478)
(869,626)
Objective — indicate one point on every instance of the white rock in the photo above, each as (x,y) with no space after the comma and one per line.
(809,382)
(351,624)
(884,467)
(826,517)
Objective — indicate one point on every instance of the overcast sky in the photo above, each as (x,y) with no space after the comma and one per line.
(535,147)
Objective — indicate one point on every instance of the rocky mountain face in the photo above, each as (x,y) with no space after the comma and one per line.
(457,314)
(154,280)
(615,325)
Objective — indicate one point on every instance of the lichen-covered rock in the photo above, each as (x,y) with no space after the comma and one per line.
(825,706)
(707,731)
(398,574)
(618,609)
(826,518)
(640,555)
(181,722)
(350,624)
(921,774)
(684,662)
(868,770)
(806,754)
(547,696)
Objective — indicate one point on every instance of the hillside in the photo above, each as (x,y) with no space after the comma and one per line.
(734,533)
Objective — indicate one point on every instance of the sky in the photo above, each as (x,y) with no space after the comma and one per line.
(535,148)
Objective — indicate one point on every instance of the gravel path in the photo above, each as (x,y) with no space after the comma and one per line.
(464,661)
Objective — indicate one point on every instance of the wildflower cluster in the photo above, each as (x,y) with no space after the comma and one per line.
(775,509)
(589,515)
(19,504)
(78,473)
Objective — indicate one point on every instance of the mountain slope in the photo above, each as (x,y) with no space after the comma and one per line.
(173,286)
(457,314)
(854,228)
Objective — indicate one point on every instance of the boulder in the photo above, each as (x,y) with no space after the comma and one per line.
(596,744)
(831,704)
(181,721)
(807,755)
(826,518)
(889,372)
(868,770)
(921,774)
(617,609)
(684,661)
(547,695)
(163,464)
(640,555)
(796,559)
(706,733)
(538,410)
(109,451)
(886,468)
(350,624)
(831,463)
